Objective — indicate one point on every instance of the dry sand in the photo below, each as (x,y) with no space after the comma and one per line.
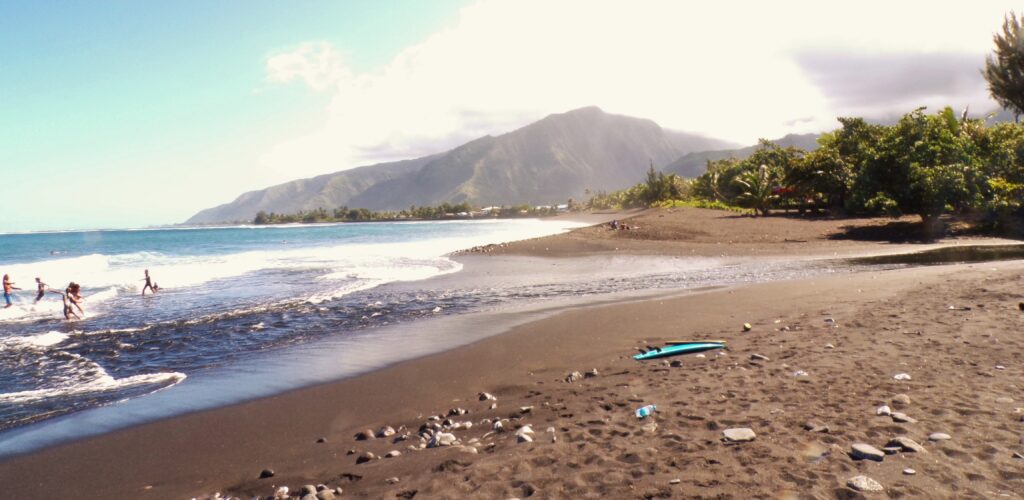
(966,367)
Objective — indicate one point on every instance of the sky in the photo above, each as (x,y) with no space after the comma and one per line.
(137,113)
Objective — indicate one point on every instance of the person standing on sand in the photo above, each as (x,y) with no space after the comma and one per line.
(41,288)
(149,284)
(8,288)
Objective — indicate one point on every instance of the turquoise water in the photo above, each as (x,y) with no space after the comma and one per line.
(226,293)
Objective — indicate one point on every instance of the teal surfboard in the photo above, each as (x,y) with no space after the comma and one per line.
(677,349)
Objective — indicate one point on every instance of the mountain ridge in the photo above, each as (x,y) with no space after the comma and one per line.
(559,156)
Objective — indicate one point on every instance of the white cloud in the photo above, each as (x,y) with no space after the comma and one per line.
(317,64)
(730,69)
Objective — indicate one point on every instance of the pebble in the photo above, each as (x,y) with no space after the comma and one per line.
(499,427)
(901,376)
(524,438)
(1000,367)
(281,492)
(321,440)
(650,427)
(265,473)
(493,406)
(441,439)
(800,373)
(1004,400)
(392,480)
(572,377)
(907,444)
(901,400)
(815,426)
(591,374)
(386,431)
(863,451)
(759,357)
(747,327)
(674,481)
(883,411)
(864,483)
(308,489)
(939,436)
(699,356)
(891,450)
(739,434)
(365,457)
(909,472)
(486,396)
(365,435)
(676,364)
(393,454)
(903,418)
(325,495)
(525,409)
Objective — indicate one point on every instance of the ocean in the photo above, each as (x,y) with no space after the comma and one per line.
(226,295)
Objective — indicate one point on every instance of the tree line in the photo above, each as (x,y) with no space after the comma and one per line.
(925,165)
(438,212)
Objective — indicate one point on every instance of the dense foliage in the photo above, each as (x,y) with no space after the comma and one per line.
(925,165)
(1004,69)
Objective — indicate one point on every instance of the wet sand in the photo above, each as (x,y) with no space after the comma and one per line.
(965,364)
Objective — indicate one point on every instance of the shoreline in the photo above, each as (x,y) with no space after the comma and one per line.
(280,431)
(227,447)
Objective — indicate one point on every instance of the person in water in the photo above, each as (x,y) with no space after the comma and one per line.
(41,288)
(73,295)
(8,288)
(149,284)
(68,310)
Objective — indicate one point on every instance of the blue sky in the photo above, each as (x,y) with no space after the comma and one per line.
(134,113)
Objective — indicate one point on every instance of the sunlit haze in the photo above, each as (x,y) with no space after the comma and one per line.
(126,114)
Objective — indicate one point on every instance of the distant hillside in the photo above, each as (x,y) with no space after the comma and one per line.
(548,161)
(328,191)
(694,164)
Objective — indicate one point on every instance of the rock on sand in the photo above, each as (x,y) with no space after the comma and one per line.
(864,483)
(739,435)
(864,451)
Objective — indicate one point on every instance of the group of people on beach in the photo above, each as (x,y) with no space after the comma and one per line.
(71,296)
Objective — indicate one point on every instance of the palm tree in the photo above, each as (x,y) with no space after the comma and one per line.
(757,189)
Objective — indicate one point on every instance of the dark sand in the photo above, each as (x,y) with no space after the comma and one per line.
(884,323)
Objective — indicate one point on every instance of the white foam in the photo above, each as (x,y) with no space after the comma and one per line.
(102,383)
(41,340)
(371,264)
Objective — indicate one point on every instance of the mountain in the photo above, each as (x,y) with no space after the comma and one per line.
(548,161)
(695,163)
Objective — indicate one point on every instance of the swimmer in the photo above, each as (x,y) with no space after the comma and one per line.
(8,288)
(149,284)
(41,288)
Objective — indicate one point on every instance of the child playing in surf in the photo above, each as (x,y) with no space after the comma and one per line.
(41,288)
(149,284)
(68,311)
(73,295)
(8,288)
